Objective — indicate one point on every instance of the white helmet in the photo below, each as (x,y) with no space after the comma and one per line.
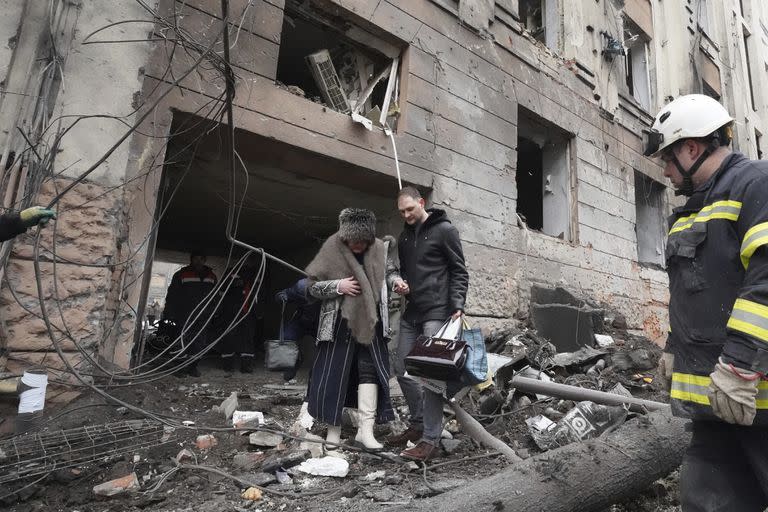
(687,117)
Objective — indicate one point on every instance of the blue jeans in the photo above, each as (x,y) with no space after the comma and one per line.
(425,406)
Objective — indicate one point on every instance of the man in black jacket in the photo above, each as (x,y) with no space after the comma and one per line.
(13,224)
(435,280)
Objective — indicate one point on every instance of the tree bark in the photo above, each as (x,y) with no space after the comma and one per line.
(580,477)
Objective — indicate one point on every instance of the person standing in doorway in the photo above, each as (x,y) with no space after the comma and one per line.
(190,287)
(434,280)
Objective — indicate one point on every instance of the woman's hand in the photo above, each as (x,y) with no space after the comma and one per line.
(349,286)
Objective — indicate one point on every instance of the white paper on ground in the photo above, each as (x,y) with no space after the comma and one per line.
(325,466)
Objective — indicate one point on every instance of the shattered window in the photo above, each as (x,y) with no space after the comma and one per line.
(637,63)
(330,60)
(650,229)
(543,177)
(532,16)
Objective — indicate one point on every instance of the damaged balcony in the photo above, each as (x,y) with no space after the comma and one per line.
(331,60)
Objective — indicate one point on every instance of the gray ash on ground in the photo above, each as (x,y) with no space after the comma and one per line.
(501,410)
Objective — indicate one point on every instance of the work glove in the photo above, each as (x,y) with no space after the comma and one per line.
(664,370)
(732,393)
(36,215)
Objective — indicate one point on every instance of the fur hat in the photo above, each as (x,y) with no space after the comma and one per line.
(357,225)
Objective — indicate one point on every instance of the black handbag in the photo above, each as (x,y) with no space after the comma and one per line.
(282,354)
(436,357)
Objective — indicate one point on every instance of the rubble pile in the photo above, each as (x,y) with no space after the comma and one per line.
(275,458)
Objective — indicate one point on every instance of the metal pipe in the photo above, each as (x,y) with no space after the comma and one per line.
(567,392)
(230,95)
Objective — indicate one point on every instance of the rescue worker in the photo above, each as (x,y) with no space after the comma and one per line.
(237,315)
(190,287)
(716,355)
(13,224)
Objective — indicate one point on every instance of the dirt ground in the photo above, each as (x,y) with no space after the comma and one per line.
(165,488)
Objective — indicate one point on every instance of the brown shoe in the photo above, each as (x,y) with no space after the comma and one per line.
(411,434)
(422,452)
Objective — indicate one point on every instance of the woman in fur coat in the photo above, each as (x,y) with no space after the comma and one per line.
(351,275)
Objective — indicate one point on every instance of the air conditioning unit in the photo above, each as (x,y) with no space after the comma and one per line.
(327,80)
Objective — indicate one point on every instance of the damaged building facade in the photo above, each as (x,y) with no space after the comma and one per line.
(523,119)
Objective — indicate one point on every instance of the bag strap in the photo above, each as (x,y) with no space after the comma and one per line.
(445,326)
(282,320)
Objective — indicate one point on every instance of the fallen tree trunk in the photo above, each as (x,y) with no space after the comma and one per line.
(580,477)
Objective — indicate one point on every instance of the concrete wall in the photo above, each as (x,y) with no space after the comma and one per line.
(93,79)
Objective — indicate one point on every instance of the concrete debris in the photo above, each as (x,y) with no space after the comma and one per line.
(596,368)
(122,485)
(228,406)
(412,466)
(252,494)
(394,479)
(451,445)
(267,439)
(637,359)
(261,479)
(568,327)
(313,445)
(205,442)
(325,466)
(604,340)
(453,427)
(245,419)
(248,460)
(376,475)
(383,495)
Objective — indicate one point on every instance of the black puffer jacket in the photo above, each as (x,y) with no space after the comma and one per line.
(432,262)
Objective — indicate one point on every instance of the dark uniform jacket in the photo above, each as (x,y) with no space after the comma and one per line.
(432,262)
(188,289)
(717,262)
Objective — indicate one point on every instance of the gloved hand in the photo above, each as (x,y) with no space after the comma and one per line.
(664,369)
(36,215)
(732,393)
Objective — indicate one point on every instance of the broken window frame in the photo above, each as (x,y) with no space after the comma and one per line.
(557,157)
(656,203)
(355,36)
(639,47)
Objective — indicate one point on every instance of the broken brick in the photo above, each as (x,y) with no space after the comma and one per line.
(205,442)
(248,460)
(118,486)
(184,455)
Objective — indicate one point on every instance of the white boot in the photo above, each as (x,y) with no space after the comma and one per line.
(333,436)
(367,397)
